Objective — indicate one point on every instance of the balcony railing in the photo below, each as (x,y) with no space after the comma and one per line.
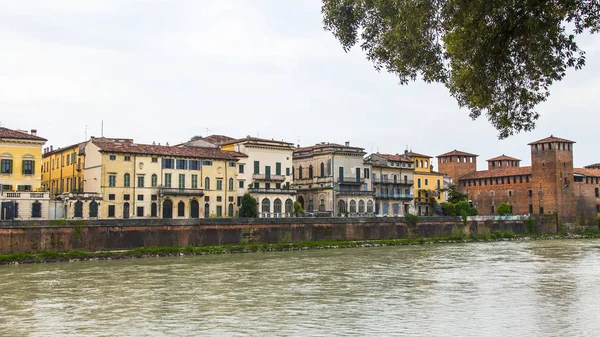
(272,190)
(394,196)
(268,177)
(181,191)
(391,181)
(25,195)
(367,193)
(351,180)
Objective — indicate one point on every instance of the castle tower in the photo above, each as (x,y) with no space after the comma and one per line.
(552,177)
(456,164)
(503,161)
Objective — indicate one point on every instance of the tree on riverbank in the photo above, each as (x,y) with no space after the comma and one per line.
(249,207)
(497,58)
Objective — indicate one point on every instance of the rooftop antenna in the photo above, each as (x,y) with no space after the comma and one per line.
(86,128)
(102,129)
(206,132)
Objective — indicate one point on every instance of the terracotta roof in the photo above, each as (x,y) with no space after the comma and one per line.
(122,146)
(455,152)
(500,172)
(503,157)
(551,139)
(597,165)
(13,134)
(587,172)
(326,145)
(217,139)
(394,157)
(49,153)
(414,154)
(255,139)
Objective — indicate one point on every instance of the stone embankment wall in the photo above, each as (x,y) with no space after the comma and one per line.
(98,235)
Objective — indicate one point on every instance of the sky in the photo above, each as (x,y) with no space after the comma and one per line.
(164,71)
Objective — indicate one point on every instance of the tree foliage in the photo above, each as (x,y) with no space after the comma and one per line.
(454,195)
(249,207)
(503,209)
(495,57)
(298,210)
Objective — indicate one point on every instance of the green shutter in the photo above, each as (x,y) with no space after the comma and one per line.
(278,169)
(256,167)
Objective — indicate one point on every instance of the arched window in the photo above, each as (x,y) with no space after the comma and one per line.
(277,206)
(369,206)
(300,173)
(266,205)
(154,210)
(289,206)
(361,206)
(230,210)
(154,180)
(181,209)
(194,209)
(341,207)
(352,206)
(207,183)
(322,169)
(167,212)
(126,210)
(78,209)
(126,180)
(310,172)
(36,209)
(231,184)
(93,209)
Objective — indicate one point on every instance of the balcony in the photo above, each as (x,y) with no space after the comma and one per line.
(25,195)
(268,177)
(351,180)
(392,182)
(394,196)
(364,193)
(271,191)
(195,192)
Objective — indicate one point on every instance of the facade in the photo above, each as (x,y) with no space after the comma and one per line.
(130,180)
(551,185)
(392,177)
(456,164)
(265,171)
(21,194)
(429,184)
(333,180)
(62,170)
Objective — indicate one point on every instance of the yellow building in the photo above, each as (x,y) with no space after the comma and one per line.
(153,181)
(428,185)
(62,170)
(21,193)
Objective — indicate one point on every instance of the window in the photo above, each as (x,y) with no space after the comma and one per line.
(140,197)
(219,184)
(154,180)
(111,197)
(28,167)
(241,168)
(167,179)
(111,211)
(278,186)
(219,199)
(287,171)
(300,173)
(126,197)
(126,180)
(36,209)
(194,165)
(207,162)
(154,160)
(278,169)
(277,206)
(231,184)
(219,211)
(125,158)
(112,180)
(530,193)
(530,208)
(182,181)
(419,183)
(181,209)
(167,163)
(438,184)
(493,209)
(140,211)
(256,167)
(140,182)
(112,157)
(230,210)
(194,181)
(181,164)
(6,166)
(510,194)
(154,197)
(231,164)
(207,183)
(597,192)
(240,184)
(239,201)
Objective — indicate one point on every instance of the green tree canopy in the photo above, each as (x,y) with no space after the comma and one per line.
(454,194)
(249,207)
(503,209)
(495,57)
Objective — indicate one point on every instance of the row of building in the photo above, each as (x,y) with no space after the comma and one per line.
(207,177)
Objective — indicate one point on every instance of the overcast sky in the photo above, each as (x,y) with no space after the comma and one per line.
(165,71)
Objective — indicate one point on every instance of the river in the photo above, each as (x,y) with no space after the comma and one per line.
(534,288)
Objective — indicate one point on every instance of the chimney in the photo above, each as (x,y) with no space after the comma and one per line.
(51,148)
(33,132)
(347,143)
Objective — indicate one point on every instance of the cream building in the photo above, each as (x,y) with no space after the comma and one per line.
(266,173)
(392,177)
(333,180)
(21,194)
(153,181)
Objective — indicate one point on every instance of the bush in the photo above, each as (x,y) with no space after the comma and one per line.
(531,225)
(298,210)
(449,209)
(503,209)
(249,207)
(411,219)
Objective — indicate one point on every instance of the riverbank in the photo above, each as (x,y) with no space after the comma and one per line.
(78,255)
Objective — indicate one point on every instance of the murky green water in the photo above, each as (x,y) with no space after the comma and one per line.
(542,288)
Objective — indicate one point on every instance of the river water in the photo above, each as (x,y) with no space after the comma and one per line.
(537,288)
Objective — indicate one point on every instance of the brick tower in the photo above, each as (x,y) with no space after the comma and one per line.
(457,164)
(552,177)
